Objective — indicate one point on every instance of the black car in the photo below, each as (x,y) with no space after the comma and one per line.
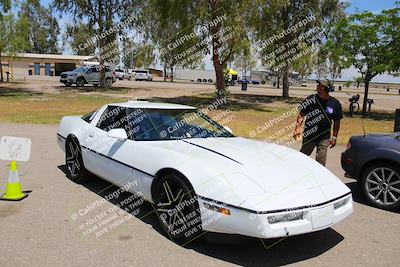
(374,160)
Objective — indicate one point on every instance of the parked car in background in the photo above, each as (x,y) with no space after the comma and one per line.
(374,160)
(143,75)
(122,74)
(87,75)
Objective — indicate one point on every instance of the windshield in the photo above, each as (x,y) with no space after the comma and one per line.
(80,69)
(172,124)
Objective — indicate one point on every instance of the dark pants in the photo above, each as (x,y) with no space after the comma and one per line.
(322,149)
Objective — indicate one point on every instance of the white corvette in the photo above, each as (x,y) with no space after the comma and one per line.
(199,176)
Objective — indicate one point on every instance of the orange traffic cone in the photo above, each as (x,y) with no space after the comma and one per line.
(13,187)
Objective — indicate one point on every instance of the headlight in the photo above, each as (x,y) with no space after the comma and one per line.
(72,74)
(294,216)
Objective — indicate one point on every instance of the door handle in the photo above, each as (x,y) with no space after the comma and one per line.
(90,136)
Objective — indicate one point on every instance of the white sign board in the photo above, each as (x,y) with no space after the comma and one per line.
(15,148)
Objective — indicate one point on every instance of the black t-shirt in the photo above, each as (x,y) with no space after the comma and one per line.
(319,115)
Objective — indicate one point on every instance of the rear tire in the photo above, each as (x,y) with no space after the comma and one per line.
(177,209)
(76,171)
(380,185)
(108,82)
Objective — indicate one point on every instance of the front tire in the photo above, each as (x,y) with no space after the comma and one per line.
(76,171)
(80,82)
(177,209)
(381,185)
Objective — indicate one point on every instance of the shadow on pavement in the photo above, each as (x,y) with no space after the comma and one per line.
(235,249)
(358,197)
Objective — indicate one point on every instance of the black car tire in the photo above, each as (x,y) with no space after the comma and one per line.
(177,209)
(382,193)
(80,82)
(67,84)
(76,170)
(109,82)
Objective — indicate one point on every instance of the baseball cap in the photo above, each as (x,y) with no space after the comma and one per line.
(325,83)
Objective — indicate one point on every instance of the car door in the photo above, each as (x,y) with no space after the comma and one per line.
(93,74)
(108,157)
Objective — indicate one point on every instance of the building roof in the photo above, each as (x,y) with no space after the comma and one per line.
(151,105)
(54,56)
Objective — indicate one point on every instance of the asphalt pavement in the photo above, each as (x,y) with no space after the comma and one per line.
(54,226)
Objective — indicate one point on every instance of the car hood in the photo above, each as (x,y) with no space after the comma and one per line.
(265,176)
(69,72)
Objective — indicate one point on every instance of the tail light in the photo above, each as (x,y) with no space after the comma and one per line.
(348,145)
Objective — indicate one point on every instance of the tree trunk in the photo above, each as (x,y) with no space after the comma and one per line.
(172,74)
(165,73)
(278,82)
(219,70)
(1,70)
(285,85)
(285,82)
(101,23)
(365,102)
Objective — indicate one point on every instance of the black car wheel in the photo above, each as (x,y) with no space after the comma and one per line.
(108,82)
(80,82)
(177,209)
(381,185)
(67,84)
(73,160)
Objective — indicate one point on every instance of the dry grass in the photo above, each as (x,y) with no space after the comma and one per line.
(247,116)
(47,109)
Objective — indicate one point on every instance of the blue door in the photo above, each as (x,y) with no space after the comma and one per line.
(47,69)
(36,70)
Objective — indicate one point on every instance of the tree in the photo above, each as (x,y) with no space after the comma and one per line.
(280,27)
(172,34)
(43,28)
(129,51)
(144,56)
(105,17)
(244,58)
(224,24)
(358,81)
(333,12)
(75,37)
(13,36)
(369,45)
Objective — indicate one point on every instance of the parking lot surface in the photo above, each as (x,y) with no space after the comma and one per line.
(45,230)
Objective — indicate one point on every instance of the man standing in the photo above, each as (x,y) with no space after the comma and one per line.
(319,110)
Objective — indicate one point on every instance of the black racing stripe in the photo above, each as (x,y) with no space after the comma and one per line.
(273,211)
(225,156)
(59,135)
(120,162)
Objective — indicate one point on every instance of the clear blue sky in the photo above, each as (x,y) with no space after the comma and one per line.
(370,5)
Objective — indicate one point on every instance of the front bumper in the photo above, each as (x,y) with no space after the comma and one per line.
(67,80)
(259,225)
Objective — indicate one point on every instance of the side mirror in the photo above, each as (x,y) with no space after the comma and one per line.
(119,134)
(228,129)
